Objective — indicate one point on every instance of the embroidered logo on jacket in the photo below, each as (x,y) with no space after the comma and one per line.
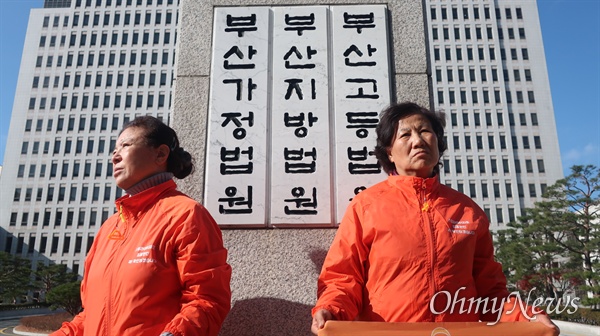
(460,227)
(144,255)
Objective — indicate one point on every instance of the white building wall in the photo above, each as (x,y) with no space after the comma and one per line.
(77,87)
(500,125)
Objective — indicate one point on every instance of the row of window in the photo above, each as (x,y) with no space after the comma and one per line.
(483,193)
(464,13)
(473,75)
(83,125)
(134,78)
(56,18)
(30,247)
(489,120)
(493,166)
(129,18)
(101,147)
(481,51)
(84,170)
(125,58)
(82,220)
(445,33)
(142,100)
(114,39)
(117,3)
(86,193)
(491,145)
(475,98)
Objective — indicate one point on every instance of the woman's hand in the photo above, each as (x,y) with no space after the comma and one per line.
(545,320)
(319,320)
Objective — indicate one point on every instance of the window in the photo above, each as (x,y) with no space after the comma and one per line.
(494,166)
(513,54)
(532,192)
(534,119)
(502,142)
(499,217)
(496,188)
(505,167)
(481,166)
(541,167)
(479,140)
(488,119)
(486,96)
(525,53)
(528,166)
(526,142)
(491,142)
(537,142)
(531,97)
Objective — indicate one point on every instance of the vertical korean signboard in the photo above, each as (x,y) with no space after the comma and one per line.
(295,96)
(300,183)
(236,165)
(362,90)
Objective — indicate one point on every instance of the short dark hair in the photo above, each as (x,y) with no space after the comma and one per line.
(388,126)
(157,133)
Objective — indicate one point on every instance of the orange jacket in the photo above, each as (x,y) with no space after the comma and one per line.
(401,242)
(157,265)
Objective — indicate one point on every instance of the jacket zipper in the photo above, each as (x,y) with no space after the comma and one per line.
(425,206)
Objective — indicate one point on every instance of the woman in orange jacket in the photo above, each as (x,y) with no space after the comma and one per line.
(410,249)
(158,265)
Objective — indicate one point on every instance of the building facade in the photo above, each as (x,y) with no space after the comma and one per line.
(489,76)
(89,66)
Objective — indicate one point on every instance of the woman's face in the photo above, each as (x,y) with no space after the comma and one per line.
(134,161)
(414,150)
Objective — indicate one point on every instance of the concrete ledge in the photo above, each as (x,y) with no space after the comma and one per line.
(577,328)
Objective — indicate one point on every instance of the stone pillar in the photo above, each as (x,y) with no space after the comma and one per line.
(275,270)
